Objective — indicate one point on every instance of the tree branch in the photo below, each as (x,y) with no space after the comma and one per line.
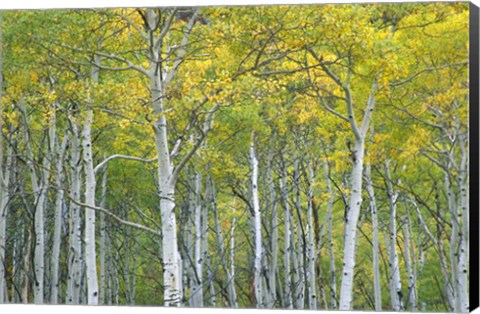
(206,128)
(120,220)
(118,156)
(369,111)
(410,78)
(184,42)
(165,29)
(134,25)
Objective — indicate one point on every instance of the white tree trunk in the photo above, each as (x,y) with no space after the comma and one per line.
(462,304)
(259,293)
(376,250)
(231,277)
(272,279)
(4,200)
(333,273)
(198,291)
(40,188)
(59,205)
(75,256)
(288,303)
(396,295)
(90,185)
(351,222)
(311,254)
(103,243)
(230,272)
(358,152)
(410,265)
(299,283)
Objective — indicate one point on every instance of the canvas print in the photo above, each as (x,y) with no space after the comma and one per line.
(271,157)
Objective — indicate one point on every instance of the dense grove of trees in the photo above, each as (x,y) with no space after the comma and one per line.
(299,157)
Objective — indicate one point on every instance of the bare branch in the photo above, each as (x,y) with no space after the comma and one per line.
(133,24)
(165,29)
(422,222)
(184,42)
(333,111)
(118,156)
(410,78)
(120,220)
(130,65)
(206,128)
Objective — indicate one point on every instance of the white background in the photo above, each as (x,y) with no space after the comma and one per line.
(57,309)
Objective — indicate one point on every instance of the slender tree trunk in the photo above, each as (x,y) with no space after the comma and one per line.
(333,273)
(376,250)
(231,278)
(26,263)
(198,291)
(171,257)
(230,272)
(40,188)
(462,303)
(351,222)
(311,254)
(59,205)
(288,303)
(103,242)
(351,219)
(396,295)
(206,257)
(90,186)
(300,268)
(189,251)
(410,265)
(259,293)
(272,279)
(4,204)
(75,256)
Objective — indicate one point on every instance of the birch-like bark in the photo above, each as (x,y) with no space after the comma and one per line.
(351,222)
(206,257)
(311,254)
(232,294)
(333,273)
(288,303)
(410,264)
(272,278)
(4,204)
(396,295)
(462,299)
(165,171)
(375,240)
(358,152)
(299,283)
(198,291)
(163,63)
(90,186)
(26,263)
(231,280)
(103,243)
(40,188)
(59,205)
(259,293)
(75,256)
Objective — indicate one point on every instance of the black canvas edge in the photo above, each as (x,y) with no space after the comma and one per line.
(474,155)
